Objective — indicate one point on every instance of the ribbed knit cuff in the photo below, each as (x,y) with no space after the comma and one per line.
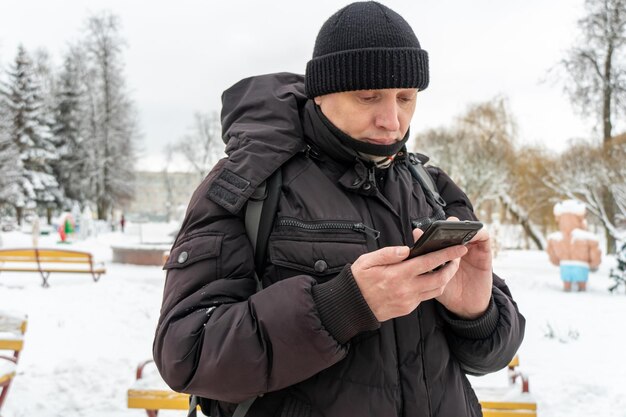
(342,308)
(480,328)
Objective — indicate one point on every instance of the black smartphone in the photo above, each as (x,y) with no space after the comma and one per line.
(443,234)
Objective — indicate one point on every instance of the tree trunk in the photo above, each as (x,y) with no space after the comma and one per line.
(609,206)
(49,215)
(103,209)
(524,221)
(19,212)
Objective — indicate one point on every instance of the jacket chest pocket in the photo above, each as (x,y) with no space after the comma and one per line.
(319,249)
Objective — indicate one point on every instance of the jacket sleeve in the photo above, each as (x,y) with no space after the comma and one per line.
(488,343)
(218,338)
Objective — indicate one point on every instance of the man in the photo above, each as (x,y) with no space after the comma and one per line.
(345,325)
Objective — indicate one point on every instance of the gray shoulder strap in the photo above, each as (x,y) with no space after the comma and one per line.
(254,208)
(425,180)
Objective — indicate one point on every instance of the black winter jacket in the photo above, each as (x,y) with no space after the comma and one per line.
(308,342)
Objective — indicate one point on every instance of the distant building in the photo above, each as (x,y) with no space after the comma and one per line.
(161,196)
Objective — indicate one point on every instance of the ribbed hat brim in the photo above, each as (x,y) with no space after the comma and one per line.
(367,69)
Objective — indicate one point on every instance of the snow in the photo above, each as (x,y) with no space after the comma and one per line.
(569,206)
(84,340)
(580,234)
(557,236)
(6,368)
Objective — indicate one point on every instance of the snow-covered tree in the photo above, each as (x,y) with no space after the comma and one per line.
(478,152)
(29,130)
(596,81)
(202,146)
(475,150)
(582,173)
(10,164)
(72,167)
(112,120)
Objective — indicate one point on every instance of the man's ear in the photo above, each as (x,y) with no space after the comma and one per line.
(318,100)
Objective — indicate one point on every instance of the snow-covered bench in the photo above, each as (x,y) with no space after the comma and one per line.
(12,329)
(49,260)
(501,399)
(497,400)
(150,393)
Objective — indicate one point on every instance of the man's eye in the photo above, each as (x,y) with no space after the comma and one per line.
(368,98)
(406,99)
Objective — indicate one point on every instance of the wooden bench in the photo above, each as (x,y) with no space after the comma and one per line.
(514,400)
(150,393)
(49,260)
(12,329)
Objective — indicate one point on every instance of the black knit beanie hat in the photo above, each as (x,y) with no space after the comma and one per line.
(365,46)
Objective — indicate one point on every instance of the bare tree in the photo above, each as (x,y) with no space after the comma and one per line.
(597,79)
(478,152)
(113,123)
(203,145)
(584,172)
(597,64)
(475,150)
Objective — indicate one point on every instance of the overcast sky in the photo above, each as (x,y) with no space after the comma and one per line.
(182,54)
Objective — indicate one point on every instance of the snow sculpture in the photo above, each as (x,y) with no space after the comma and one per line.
(573,248)
(87,226)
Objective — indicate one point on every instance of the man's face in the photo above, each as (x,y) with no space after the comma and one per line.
(381,117)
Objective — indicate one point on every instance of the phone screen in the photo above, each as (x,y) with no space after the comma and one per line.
(443,234)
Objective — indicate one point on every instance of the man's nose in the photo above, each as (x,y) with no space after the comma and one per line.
(387,116)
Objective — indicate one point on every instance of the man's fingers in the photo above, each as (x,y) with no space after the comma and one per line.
(432,260)
(385,256)
(481,236)
(417,233)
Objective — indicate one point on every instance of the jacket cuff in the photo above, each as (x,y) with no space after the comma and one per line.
(480,328)
(342,308)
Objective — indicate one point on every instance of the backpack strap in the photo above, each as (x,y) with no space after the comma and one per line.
(260,216)
(260,210)
(427,183)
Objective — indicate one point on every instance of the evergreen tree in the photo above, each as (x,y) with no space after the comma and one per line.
(72,167)
(29,131)
(10,166)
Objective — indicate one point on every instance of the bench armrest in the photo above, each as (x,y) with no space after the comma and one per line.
(139,373)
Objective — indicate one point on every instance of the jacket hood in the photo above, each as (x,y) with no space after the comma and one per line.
(261,128)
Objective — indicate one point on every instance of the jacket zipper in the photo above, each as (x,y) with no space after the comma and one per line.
(358,227)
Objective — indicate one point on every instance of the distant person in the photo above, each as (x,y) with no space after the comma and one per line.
(122,223)
(345,325)
(573,249)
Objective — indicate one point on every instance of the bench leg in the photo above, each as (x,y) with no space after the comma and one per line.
(95,277)
(44,277)
(5,390)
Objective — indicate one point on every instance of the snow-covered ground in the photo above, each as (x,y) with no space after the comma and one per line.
(84,339)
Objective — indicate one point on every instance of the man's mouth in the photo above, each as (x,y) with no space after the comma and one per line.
(381,141)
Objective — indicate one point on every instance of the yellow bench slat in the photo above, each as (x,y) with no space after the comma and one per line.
(29,252)
(11,344)
(508,405)
(44,269)
(509,413)
(157,400)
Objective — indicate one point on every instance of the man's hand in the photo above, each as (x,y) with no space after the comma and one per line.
(394,287)
(468,293)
